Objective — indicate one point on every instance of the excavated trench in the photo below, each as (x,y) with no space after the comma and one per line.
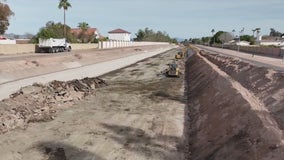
(235,109)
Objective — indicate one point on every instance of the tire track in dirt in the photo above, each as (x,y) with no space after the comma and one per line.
(139,115)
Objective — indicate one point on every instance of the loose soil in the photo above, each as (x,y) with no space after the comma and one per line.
(28,65)
(234,109)
(139,115)
(221,108)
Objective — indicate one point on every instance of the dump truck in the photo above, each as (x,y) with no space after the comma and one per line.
(53,45)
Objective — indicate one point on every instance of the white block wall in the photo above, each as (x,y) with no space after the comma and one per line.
(119,36)
(119,44)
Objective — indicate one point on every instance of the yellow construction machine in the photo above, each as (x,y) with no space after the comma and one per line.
(173,70)
(179,55)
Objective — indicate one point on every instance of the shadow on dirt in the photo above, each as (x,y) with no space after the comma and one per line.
(138,141)
(165,95)
(61,151)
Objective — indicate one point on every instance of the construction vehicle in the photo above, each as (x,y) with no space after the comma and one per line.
(53,45)
(179,55)
(173,70)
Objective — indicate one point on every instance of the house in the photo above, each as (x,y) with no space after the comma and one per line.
(89,32)
(119,35)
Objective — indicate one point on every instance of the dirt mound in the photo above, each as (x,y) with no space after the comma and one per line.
(223,123)
(266,84)
(40,102)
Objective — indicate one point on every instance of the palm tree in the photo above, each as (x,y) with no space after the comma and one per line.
(83,36)
(213,31)
(233,31)
(257,33)
(65,5)
(257,30)
(83,26)
(253,31)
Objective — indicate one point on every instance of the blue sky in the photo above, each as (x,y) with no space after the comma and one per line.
(179,18)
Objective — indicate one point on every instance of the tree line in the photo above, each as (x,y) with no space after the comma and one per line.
(153,36)
(55,30)
(221,37)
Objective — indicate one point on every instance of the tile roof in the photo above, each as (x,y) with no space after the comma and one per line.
(79,30)
(119,31)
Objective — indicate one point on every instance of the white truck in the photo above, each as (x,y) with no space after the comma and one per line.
(53,45)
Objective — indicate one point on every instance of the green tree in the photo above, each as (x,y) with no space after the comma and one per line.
(274,33)
(140,35)
(85,36)
(225,37)
(54,30)
(65,5)
(150,35)
(84,26)
(216,38)
(5,14)
(248,38)
(212,39)
(196,41)
(253,31)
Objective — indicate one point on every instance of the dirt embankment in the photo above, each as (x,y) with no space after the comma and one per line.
(39,103)
(235,114)
(23,66)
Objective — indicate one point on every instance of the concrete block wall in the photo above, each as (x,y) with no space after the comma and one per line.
(118,44)
(266,51)
(16,48)
(282,52)
(30,48)
(78,46)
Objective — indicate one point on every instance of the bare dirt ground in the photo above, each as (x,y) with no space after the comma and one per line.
(139,115)
(235,109)
(223,108)
(15,67)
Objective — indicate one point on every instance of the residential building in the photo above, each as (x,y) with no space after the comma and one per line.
(119,35)
(90,32)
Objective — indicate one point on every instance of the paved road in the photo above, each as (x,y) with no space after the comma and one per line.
(262,61)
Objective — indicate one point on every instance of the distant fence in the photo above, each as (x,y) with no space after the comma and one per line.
(79,46)
(266,51)
(30,48)
(7,41)
(16,48)
(119,44)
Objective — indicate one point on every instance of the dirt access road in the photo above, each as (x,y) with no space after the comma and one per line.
(138,116)
(257,60)
(25,70)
